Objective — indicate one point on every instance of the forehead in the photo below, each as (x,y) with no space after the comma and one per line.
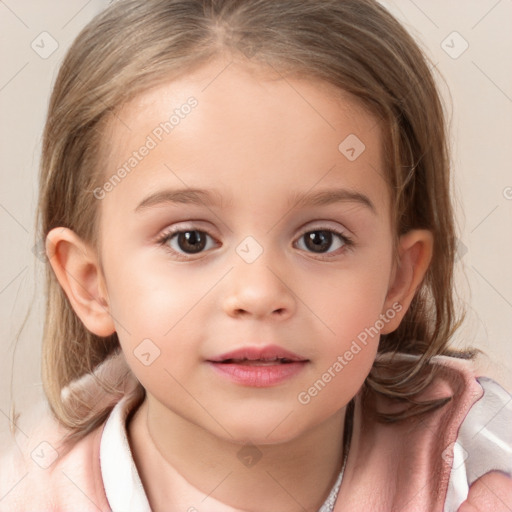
(226,125)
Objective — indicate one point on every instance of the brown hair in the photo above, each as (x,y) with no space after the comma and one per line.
(356,45)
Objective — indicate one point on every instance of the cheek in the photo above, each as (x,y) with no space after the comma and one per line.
(352,302)
(352,313)
(150,298)
(157,311)
(337,382)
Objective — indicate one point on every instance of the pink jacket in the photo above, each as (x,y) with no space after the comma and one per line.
(391,467)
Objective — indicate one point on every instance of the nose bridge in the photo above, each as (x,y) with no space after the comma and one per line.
(257,284)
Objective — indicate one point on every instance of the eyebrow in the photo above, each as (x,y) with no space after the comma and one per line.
(203,197)
(184,196)
(331,196)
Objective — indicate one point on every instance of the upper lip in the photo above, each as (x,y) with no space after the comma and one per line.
(267,352)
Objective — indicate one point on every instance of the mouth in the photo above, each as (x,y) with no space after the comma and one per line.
(260,356)
(258,367)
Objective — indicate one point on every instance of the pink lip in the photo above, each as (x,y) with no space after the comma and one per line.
(252,366)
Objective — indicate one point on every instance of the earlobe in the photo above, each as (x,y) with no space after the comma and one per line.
(79,274)
(415,253)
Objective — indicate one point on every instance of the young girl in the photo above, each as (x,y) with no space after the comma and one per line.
(250,246)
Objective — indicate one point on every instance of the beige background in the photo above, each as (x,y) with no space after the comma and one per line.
(480,81)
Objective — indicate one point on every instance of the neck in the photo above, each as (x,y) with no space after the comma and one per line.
(181,463)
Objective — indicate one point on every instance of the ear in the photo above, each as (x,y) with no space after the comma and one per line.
(77,269)
(415,253)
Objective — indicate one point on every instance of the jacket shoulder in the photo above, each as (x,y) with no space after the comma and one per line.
(481,469)
(37,473)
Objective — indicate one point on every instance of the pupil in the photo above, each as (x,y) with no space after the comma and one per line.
(191,241)
(320,240)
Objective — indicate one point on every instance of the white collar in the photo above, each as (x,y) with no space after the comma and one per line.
(121,480)
(123,487)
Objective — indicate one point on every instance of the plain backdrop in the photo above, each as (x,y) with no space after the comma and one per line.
(470,45)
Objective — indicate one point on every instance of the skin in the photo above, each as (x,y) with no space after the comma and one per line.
(257,139)
(492,491)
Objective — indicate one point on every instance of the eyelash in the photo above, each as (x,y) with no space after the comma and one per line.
(162,240)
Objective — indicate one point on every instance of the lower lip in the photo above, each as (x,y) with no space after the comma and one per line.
(258,376)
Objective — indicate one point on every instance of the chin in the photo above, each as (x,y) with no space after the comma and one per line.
(262,428)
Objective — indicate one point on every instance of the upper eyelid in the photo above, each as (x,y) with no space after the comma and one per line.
(193,226)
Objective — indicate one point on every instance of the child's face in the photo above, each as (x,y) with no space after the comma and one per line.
(263,269)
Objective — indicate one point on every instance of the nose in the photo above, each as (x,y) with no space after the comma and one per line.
(259,290)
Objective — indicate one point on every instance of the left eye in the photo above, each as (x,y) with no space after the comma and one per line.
(320,240)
